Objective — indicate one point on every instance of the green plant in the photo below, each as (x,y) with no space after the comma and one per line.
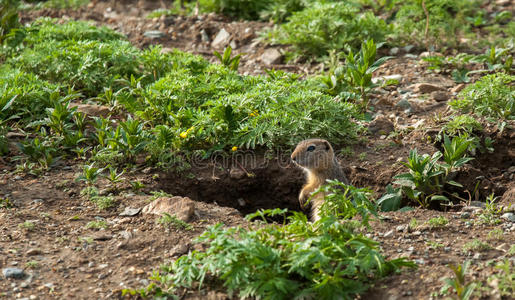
(114,177)
(437,222)
(493,96)
(354,79)
(27,225)
(90,174)
(506,278)
(325,26)
(8,17)
(136,185)
(426,179)
(323,260)
(491,213)
(434,245)
(463,289)
(166,220)
(226,60)
(103,202)
(433,23)
(476,245)
(33,264)
(495,234)
(6,203)
(97,225)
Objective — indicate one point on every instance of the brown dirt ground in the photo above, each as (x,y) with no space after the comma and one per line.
(80,263)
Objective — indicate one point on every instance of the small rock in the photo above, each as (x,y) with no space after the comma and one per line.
(154,34)
(394,51)
(428,54)
(403,104)
(509,216)
(401,228)
(33,251)
(440,96)
(447,249)
(458,88)
(130,212)
(477,255)
(425,88)
(91,109)
(204,36)
(222,39)
(381,125)
(241,202)
(13,273)
(126,235)
(39,200)
(412,56)
(420,261)
(389,233)
(179,250)
(416,233)
(465,215)
(271,56)
(182,207)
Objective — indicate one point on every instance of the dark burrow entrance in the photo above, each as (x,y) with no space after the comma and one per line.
(247,186)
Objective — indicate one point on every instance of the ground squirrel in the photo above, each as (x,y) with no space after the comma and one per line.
(316,157)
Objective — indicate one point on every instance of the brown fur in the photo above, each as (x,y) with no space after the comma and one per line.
(319,164)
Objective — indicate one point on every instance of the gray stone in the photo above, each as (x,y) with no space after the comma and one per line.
(130,212)
(204,36)
(401,228)
(222,39)
(394,51)
(465,215)
(271,56)
(13,273)
(403,104)
(509,216)
(154,34)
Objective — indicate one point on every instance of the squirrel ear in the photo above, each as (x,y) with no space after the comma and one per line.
(327,145)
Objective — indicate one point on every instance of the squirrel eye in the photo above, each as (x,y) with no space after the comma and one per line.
(311,148)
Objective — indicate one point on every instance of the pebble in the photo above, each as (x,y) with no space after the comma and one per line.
(465,215)
(420,261)
(154,34)
(401,227)
(404,104)
(389,233)
(394,51)
(130,212)
(509,216)
(13,273)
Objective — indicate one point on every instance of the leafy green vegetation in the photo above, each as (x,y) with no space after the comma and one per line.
(189,105)
(427,177)
(323,260)
(168,220)
(493,96)
(437,222)
(462,288)
(8,17)
(322,27)
(476,245)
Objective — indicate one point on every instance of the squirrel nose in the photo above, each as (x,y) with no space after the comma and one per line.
(294,158)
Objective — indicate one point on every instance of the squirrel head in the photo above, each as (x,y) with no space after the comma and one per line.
(313,154)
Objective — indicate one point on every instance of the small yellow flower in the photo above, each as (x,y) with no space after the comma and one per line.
(233,149)
(254,113)
(184,134)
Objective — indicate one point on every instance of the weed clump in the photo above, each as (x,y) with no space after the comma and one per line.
(324,260)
